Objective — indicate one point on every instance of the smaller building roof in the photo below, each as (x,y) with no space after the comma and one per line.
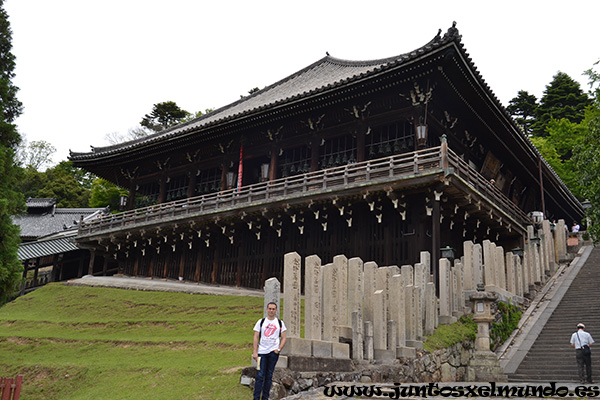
(47,247)
(37,225)
(40,202)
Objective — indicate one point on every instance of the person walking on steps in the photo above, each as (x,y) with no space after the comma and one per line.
(581,341)
(269,339)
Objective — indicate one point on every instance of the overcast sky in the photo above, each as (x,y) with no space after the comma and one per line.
(89,68)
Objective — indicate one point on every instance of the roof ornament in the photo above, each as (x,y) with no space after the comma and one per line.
(452,32)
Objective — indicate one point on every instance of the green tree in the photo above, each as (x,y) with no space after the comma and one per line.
(163,116)
(563,98)
(587,155)
(557,148)
(522,108)
(105,193)
(11,201)
(67,186)
(36,155)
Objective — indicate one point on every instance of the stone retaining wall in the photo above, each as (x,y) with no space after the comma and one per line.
(446,365)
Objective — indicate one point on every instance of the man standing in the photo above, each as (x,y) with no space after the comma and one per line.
(582,341)
(267,346)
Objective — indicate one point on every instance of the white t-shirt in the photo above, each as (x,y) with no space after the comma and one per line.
(584,338)
(269,335)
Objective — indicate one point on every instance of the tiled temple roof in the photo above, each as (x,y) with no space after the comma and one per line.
(34,226)
(325,74)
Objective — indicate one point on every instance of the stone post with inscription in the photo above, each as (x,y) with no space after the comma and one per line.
(291,293)
(272,295)
(313,294)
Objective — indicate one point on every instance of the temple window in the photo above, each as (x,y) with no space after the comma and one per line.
(338,151)
(147,194)
(209,181)
(177,188)
(294,161)
(386,140)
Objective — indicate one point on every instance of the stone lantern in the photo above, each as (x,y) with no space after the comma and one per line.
(484,366)
(482,315)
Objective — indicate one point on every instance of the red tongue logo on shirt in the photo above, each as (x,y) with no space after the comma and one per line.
(270,329)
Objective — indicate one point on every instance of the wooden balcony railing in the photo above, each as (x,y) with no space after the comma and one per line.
(367,173)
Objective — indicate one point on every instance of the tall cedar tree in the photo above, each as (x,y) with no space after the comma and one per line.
(563,98)
(11,201)
(523,108)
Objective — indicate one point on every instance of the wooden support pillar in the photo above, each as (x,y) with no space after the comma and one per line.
(91,264)
(198,266)
(131,198)
(314,155)
(192,184)
(224,176)
(239,269)
(150,265)
(165,267)
(215,270)
(181,262)
(136,264)
(273,165)
(105,265)
(80,269)
(162,191)
(360,144)
(24,283)
(435,243)
(36,271)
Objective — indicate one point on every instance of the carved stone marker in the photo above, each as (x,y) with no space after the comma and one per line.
(291,293)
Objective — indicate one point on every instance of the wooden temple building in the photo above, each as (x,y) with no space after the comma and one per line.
(375,159)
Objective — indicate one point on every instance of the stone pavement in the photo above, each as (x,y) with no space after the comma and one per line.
(162,285)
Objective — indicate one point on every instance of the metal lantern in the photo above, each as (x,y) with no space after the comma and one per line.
(447,252)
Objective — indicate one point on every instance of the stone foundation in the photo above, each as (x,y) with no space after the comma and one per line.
(446,365)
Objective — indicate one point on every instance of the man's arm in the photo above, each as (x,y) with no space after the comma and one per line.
(282,342)
(255,346)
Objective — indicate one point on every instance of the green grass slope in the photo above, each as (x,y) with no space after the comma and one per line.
(97,343)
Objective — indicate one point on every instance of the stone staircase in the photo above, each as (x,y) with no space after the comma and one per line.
(551,357)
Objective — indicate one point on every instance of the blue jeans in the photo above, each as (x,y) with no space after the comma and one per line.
(264,376)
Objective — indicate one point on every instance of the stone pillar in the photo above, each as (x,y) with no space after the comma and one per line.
(477,264)
(544,264)
(379,321)
(291,293)
(518,276)
(511,277)
(370,269)
(383,283)
(410,318)
(342,267)
(369,341)
(454,289)
(459,274)
(549,247)
(445,293)
(355,305)
(500,268)
(468,266)
(330,303)
(489,262)
(398,308)
(313,298)
(272,291)
(560,240)
(357,335)
(431,309)
(533,257)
